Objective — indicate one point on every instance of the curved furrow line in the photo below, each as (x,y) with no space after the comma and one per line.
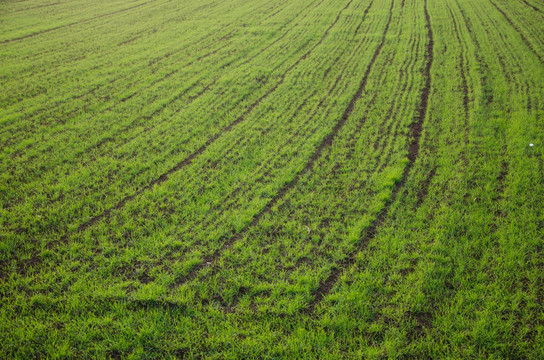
(189,159)
(168,55)
(385,127)
(325,143)
(361,122)
(47,71)
(535,31)
(504,168)
(142,66)
(502,45)
(81,228)
(393,129)
(102,142)
(518,30)
(331,90)
(111,137)
(130,96)
(243,141)
(282,36)
(424,187)
(413,151)
(504,164)
(394,109)
(351,142)
(226,204)
(75,23)
(200,40)
(470,28)
(192,100)
(265,169)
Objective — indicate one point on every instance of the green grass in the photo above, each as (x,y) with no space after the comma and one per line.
(272,179)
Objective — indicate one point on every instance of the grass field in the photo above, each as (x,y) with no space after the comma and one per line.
(228,179)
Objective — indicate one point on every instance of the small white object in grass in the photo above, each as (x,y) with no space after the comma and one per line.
(531,144)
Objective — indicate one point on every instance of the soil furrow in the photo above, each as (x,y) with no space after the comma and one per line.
(413,151)
(176,70)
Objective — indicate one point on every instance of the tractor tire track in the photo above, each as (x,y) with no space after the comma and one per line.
(393,110)
(265,131)
(110,138)
(413,151)
(271,165)
(504,165)
(280,267)
(424,319)
(148,117)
